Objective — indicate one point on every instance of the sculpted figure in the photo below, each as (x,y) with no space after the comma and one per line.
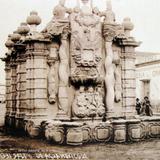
(63,77)
(60,10)
(91,102)
(86,10)
(51,83)
(59,21)
(109,78)
(52,88)
(109,16)
(79,104)
(109,33)
(117,75)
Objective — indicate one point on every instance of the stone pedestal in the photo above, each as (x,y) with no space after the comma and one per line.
(54,132)
(151,127)
(134,130)
(74,135)
(120,131)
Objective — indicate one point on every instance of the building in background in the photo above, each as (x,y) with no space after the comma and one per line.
(148,77)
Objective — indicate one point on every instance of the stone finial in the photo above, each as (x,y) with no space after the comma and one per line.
(33,20)
(9,44)
(23,29)
(15,36)
(128,26)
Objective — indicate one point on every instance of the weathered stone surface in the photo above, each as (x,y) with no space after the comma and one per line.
(119,131)
(79,71)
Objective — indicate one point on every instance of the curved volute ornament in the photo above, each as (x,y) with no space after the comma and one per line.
(128,26)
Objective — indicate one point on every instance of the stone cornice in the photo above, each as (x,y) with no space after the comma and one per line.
(129,42)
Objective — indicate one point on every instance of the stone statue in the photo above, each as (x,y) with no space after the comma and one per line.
(109,34)
(110,16)
(51,83)
(60,10)
(59,21)
(117,75)
(109,78)
(85,9)
(63,77)
(52,87)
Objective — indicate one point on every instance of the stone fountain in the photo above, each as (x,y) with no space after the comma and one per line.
(74,82)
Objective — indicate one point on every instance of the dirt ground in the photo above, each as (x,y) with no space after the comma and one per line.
(26,148)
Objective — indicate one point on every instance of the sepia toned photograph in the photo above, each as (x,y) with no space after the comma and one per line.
(80,79)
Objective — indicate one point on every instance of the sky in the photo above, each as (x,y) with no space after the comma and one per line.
(144,14)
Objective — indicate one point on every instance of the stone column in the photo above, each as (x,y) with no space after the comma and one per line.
(13,91)
(119,131)
(63,106)
(128,45)
(21,89)
(36,77)
(109,33)
(36,88)
(8,91)
(129,77)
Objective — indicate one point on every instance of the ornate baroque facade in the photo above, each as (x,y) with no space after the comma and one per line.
(74,82)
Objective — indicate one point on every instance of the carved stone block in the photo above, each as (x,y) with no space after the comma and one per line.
(74,136)
(119,131)
(55,133)
(32,130)
(135,131)
(87,134)
(103,132)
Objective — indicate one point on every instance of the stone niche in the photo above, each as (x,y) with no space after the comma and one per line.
(74,82)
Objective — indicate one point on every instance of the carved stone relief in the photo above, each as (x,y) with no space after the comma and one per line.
(88,103)
(52,87)
(117,75)
(86,45)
